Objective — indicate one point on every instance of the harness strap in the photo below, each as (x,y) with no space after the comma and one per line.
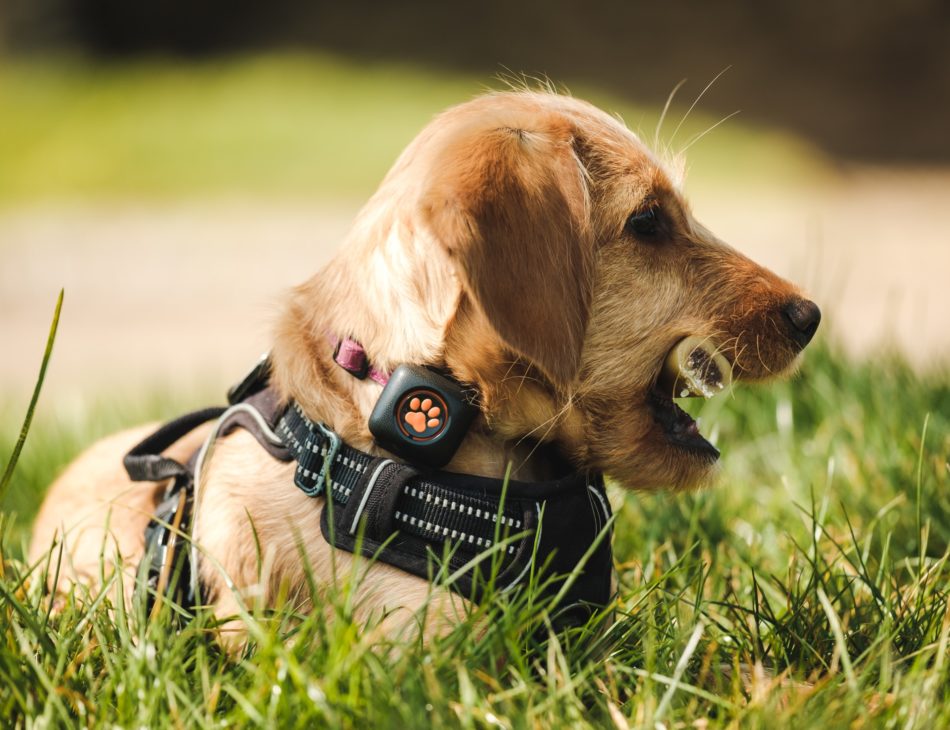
(145,462)
(417,519)
(387,510)
(389,495)
(167,566)
(318,451)
(380,496)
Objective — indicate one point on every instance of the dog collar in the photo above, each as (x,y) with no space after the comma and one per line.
(418,519)
(422,414)
(350,355)
(459,530)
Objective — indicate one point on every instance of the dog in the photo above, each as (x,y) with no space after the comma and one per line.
(526,244)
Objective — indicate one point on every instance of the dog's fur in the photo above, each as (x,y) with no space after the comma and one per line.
(496,247)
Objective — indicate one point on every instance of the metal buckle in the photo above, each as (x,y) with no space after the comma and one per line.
(332,450)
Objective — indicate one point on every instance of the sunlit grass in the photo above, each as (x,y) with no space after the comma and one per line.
(820,557)
(286,126)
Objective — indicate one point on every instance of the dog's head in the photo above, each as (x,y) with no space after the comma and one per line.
(532,244)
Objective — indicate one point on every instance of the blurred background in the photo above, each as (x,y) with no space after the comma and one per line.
(176,165)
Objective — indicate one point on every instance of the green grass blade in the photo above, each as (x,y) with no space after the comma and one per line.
(11,465)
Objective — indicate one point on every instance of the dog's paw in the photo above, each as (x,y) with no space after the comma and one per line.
(422,415)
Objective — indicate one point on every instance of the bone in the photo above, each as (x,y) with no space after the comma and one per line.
(694,368)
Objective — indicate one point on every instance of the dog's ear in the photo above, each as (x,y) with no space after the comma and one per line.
(510,205)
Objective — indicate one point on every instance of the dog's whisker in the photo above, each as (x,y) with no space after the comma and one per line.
(521,378)
(762,362)
(551,423)
(552,420)
(696,137)
(666,107)
(697,100)
(741,344)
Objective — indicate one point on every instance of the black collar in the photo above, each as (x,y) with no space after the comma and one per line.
(419,503)
(459,530)
(415,517)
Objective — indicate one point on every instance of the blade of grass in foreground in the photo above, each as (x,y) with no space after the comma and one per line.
(8,471)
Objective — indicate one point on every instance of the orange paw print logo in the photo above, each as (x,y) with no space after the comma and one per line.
(421,415)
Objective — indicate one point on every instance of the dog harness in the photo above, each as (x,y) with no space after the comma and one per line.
(462,531)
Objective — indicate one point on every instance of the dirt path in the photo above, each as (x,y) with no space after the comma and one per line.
(171,293)
(182,293)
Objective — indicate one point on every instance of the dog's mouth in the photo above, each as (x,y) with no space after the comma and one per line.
(692,368)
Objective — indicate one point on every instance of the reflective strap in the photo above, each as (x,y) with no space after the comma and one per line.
(366,492)
(412,502)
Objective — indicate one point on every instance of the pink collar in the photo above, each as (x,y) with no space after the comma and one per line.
(350,355)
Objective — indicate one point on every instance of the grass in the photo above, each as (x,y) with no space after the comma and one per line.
(819,564)
(284,125)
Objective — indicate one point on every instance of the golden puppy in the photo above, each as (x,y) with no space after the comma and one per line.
(531,246)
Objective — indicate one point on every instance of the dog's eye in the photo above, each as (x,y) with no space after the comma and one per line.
(644,222)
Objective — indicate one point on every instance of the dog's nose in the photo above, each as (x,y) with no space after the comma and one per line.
(803,315)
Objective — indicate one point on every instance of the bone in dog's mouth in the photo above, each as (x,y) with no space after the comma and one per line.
(692,368)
